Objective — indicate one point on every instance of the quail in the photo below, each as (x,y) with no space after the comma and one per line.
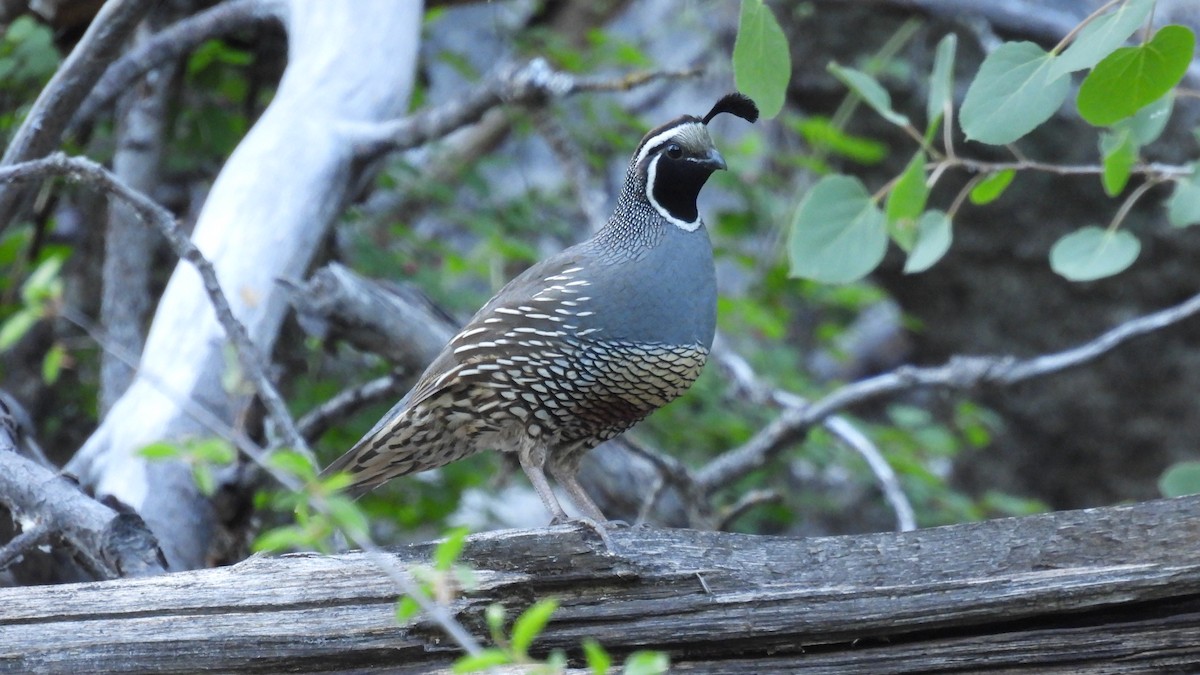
(579,347)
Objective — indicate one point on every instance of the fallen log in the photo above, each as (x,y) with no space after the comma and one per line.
(1107,590)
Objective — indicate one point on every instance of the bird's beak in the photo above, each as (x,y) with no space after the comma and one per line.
(713,161)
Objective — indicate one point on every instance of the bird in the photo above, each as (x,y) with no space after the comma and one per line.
(579,347)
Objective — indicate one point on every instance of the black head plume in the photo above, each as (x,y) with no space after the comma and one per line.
(736,103)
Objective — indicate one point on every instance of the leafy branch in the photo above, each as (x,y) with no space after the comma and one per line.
(840,232)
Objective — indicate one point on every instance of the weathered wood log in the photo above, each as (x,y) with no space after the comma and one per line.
(1111,590)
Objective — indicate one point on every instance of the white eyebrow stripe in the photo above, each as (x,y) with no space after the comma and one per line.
(658,140)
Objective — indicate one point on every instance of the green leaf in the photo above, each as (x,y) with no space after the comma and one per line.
(206,483)
(871,92)
(280,539)
(824,135)
(989,189)
(160,451)
(530,624)
(1182,478)
(488,658)
(762,62)
(1093,253)
(646,663)
(494,614)
(292,463)
(598,660)
(1132,77)
(1013,92)
(17,326)
(838,234)
(213,451)
(941,80)
(1120,153)
(906,201)
(1148,123)
(1100,37)
(934,234)
(52,363)
(448,550)
(1183,207)
(348,516)
(41,284)
(406,608)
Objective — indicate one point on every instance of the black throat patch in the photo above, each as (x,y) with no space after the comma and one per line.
(675,184)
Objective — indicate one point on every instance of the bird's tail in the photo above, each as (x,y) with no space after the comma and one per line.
(364,462)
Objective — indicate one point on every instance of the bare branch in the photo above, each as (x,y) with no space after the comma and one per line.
(172,43)
(125,297)
(744,503)
(532,83)
(83,169)
(47,119)
(579,181)
(1153,170)
(51,506)
(748,381)
(395,321)
(347,402)
(960,372)
(28,539)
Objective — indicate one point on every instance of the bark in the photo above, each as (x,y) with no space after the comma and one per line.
(64,533)
(1112,590)
(268,209)
(129,245)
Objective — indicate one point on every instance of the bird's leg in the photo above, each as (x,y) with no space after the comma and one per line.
(593,517)
(532,457)
(566,477)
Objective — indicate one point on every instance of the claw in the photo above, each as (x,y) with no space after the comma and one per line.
(600,528)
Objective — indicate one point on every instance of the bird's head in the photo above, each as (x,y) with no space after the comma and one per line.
(674,160)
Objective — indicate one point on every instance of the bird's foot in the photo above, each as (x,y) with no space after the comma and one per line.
(599,527)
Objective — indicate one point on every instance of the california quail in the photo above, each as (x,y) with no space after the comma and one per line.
(579,347)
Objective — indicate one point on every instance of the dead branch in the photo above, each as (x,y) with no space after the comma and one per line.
(173,43)
(106,543)
(152,213)
(960,372)
(43,127)
(532,83)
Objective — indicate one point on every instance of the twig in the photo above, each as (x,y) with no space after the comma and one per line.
(34,536)
(746,502)
(534,82)
(347,402)
(172,43)
(48,118)
(748,381)
(849,435)
(151,212)
(74,79)
(1069,37)
(960,372)
(579,181)
(1150,169)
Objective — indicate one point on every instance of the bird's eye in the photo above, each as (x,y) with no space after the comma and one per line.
(674,151)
